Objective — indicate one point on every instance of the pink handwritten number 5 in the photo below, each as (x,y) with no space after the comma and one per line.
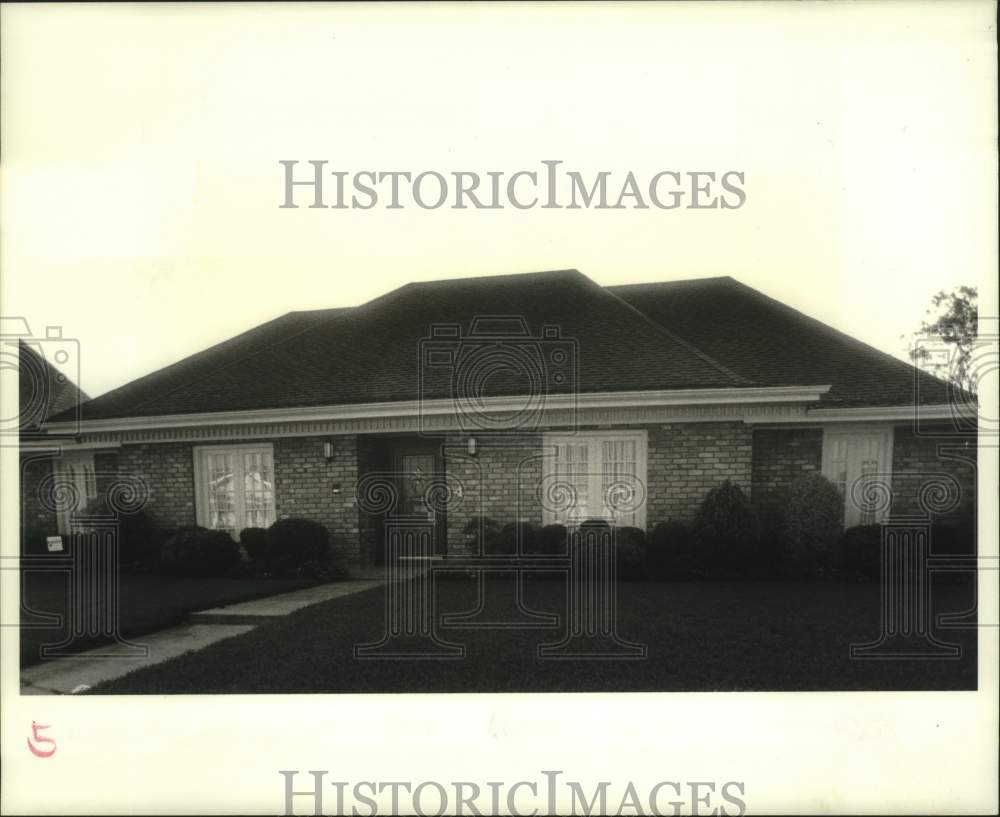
(36,750)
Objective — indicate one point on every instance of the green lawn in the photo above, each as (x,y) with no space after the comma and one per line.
(148,603)
(700,636)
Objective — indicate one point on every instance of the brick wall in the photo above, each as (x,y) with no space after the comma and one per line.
(916,461)
(309,486)
(684,462)
(500,482)
(168,472)
(779,457)
(687,460)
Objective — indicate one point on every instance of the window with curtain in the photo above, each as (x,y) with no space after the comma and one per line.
(852,457)
(591,476)
(76,471)
(235,487)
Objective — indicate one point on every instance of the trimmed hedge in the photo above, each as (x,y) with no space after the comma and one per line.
(507,539)
(140,537)
(859,552)
(630,553)
(725,534)
(297,544)
(859,549)
(254,541)
(198,552)
(481,527)
(552,540)
(668,552)
(813,523)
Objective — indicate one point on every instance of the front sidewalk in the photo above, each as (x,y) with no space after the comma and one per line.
(64,676)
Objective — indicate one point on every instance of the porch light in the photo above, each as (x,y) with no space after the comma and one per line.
(328,450)
(472,446)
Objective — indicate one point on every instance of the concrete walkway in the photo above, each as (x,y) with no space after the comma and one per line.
(267,609)
(64,676)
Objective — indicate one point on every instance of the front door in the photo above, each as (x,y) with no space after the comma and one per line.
(419,479)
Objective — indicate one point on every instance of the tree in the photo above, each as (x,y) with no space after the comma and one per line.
(952,321)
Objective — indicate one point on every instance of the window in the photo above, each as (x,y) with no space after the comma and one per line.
(235,487)
(591,475)
(851,458)
(76,471)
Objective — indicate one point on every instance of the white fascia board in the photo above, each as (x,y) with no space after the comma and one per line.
(678,397)
(874,414)
(64,445)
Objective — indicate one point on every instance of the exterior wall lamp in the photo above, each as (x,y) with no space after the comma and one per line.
(472,446)
(328,450)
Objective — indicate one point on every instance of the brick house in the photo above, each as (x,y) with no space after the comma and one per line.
(540,397)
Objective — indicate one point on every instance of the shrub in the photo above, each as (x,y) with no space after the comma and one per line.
(771,546)
(813,515)
(292,543)
(140,538)
(587,533)
(724,533)
(199,552)
(859,552)
(481,527)
(551,540)
(254,541)
(505,542)
(668,551)
(630,553)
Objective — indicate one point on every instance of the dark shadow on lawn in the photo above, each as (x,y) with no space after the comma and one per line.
(148,603)
(700,636)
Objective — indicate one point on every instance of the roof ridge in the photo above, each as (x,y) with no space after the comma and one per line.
(564,272)
(737,378)
(638,284)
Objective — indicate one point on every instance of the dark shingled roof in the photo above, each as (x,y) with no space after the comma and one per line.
(774,345)
(370,353)
(707,333)
(44,391)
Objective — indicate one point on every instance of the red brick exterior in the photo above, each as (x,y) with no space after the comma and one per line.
(919,462)
(167,469)
(309,486)
(686,460)
(780,456)
(501,481)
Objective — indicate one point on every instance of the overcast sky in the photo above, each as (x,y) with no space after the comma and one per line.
(141,148)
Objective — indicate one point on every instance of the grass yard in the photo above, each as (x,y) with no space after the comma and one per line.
(700,636)
(148,603)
